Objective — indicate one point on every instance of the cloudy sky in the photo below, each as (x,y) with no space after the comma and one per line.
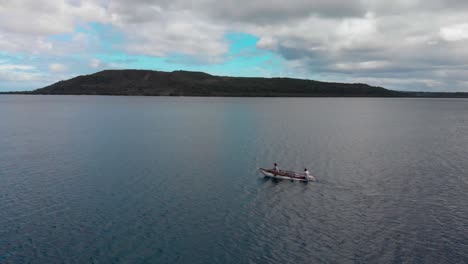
(399,44)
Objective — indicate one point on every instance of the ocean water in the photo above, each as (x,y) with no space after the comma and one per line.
(102,179)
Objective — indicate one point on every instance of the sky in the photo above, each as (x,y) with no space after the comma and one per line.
(416,45)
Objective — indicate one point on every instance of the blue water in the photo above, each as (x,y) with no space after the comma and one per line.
(101,179)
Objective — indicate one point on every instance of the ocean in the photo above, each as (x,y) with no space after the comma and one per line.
(110,179)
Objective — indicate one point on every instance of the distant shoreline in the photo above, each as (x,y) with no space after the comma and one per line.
(199,84)
(430,95)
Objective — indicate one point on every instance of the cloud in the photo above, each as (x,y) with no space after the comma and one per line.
(158,30)
(279,11)
(15,67)
(183,35)
(403,44)
(46,17)
(57,67)
(95,63)
(18,73)
(365,65)
(379,44)
(455,32)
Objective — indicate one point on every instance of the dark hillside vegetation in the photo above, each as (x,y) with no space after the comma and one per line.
(186,83)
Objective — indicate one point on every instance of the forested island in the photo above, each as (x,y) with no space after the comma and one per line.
(186,83)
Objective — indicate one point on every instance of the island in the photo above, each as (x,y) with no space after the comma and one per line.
(189,83)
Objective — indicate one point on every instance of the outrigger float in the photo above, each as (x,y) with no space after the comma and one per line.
(287,175)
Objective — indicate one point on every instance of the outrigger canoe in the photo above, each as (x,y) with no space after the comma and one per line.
(288,175)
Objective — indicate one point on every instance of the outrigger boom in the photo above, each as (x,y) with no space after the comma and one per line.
(289,175)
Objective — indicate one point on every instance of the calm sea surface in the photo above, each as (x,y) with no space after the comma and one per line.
(101,179)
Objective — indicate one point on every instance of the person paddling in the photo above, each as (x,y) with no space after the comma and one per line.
(306,174)
(276,167)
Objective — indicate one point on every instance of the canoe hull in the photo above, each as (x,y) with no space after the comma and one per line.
(284,175)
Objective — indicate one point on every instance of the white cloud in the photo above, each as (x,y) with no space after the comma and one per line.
(15,67)
(455,32)
(19,72)
(356,32)
(95,63)
(47,17)
(173,32)
(57,67)
(267,42)
(21,76)
(365,65)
